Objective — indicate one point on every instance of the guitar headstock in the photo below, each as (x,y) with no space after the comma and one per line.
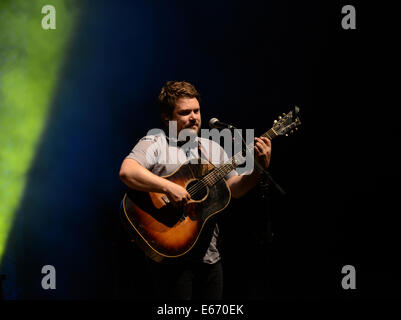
(287,123)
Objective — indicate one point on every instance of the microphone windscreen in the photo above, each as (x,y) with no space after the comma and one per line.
(212,122)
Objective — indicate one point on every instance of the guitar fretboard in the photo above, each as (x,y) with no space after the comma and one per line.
(219,173)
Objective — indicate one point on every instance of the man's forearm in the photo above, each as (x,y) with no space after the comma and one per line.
(139,178)
(240,185)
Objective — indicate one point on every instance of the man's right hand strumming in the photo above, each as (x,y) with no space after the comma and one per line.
(178,195)
(139,178)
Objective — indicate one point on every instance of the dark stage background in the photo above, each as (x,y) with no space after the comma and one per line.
(251,61)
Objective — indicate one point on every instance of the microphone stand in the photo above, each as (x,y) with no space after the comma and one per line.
(262,170)
(264,183)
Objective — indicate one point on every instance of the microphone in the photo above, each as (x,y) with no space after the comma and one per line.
(215,123)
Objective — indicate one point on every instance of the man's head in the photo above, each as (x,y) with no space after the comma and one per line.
(179,101)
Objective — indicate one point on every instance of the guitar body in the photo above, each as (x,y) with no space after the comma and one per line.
(163,231)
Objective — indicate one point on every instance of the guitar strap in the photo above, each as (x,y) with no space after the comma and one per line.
(201,152)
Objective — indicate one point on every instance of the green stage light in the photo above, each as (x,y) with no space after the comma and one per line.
(30,61)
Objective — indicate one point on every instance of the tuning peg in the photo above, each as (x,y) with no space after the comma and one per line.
(279,117)
(292,131)
(296,128)
(275,121)
(286,134)
(283,114)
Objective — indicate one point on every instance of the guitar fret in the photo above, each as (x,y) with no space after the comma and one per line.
(219,173)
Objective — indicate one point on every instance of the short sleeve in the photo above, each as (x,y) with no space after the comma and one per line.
(146,152)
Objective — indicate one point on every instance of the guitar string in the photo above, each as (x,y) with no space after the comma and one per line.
(214,176)
(210,177)
(215,173)
(202,183)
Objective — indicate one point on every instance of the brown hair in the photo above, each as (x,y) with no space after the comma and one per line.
(171,92)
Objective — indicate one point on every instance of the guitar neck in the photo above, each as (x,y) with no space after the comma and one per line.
(219,173)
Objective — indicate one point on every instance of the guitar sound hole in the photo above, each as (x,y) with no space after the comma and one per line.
(197,190)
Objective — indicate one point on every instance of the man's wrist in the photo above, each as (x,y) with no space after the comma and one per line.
(164,186)
(255,173)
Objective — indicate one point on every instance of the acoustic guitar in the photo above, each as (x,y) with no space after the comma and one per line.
(165,232)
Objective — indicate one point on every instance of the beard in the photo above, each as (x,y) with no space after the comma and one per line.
(188,133)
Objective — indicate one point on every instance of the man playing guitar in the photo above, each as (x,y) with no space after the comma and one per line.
(143,170)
